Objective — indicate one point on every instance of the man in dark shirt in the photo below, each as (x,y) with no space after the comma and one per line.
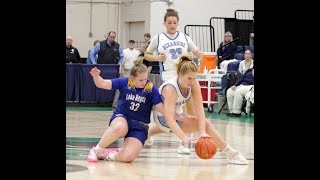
(72,53)
(109,51)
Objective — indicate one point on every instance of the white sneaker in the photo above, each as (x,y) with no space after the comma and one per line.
(149,141)
(92,156)
(237,158)
(183,149)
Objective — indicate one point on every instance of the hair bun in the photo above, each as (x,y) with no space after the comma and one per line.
(172,10)
(138,61)
(187,56)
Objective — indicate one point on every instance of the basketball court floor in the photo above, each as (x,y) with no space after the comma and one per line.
(85,126)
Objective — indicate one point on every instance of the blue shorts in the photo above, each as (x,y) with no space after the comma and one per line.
(136,129)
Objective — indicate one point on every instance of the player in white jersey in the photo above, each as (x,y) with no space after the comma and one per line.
(181,97)
(175,93)
(170,45)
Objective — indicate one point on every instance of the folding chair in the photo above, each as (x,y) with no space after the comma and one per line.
(227,81)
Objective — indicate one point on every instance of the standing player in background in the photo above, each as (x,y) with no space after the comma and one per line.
(170,45)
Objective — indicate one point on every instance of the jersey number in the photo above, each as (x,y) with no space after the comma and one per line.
(134,106)
(175,53)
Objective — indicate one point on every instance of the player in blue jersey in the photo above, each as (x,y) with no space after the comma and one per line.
(175,93)
(131,117)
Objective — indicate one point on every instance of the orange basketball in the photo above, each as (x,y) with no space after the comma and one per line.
(206,148)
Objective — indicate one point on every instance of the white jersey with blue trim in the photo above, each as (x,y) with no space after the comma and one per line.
(172,48)
(181,98)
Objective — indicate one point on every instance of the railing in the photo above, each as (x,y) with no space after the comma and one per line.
(218,24)
(240,26)
(202,36)
(244,24)
(244,14)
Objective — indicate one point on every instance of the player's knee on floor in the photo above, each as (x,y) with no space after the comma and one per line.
(128,157)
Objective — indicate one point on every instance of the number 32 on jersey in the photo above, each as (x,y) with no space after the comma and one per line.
(134,106)
(175,53)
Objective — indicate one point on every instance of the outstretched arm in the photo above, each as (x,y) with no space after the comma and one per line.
(99,81)
(198,104)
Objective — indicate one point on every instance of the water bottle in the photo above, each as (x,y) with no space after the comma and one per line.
(205,71)
(248,106)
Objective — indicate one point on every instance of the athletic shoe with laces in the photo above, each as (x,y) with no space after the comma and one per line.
(149,141)
(183,149)
(106,153)
(237,158)
(93,155)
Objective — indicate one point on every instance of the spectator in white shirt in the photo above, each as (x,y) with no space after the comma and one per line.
(247,63)
(130,55)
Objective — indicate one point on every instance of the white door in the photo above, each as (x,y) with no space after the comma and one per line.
(136,32)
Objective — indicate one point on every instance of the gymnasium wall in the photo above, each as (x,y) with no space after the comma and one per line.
(88,20)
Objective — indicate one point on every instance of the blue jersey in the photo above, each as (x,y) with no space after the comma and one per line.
(135,103)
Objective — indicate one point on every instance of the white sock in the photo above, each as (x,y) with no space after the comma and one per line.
(111,156)
(98,148)
(229,150)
